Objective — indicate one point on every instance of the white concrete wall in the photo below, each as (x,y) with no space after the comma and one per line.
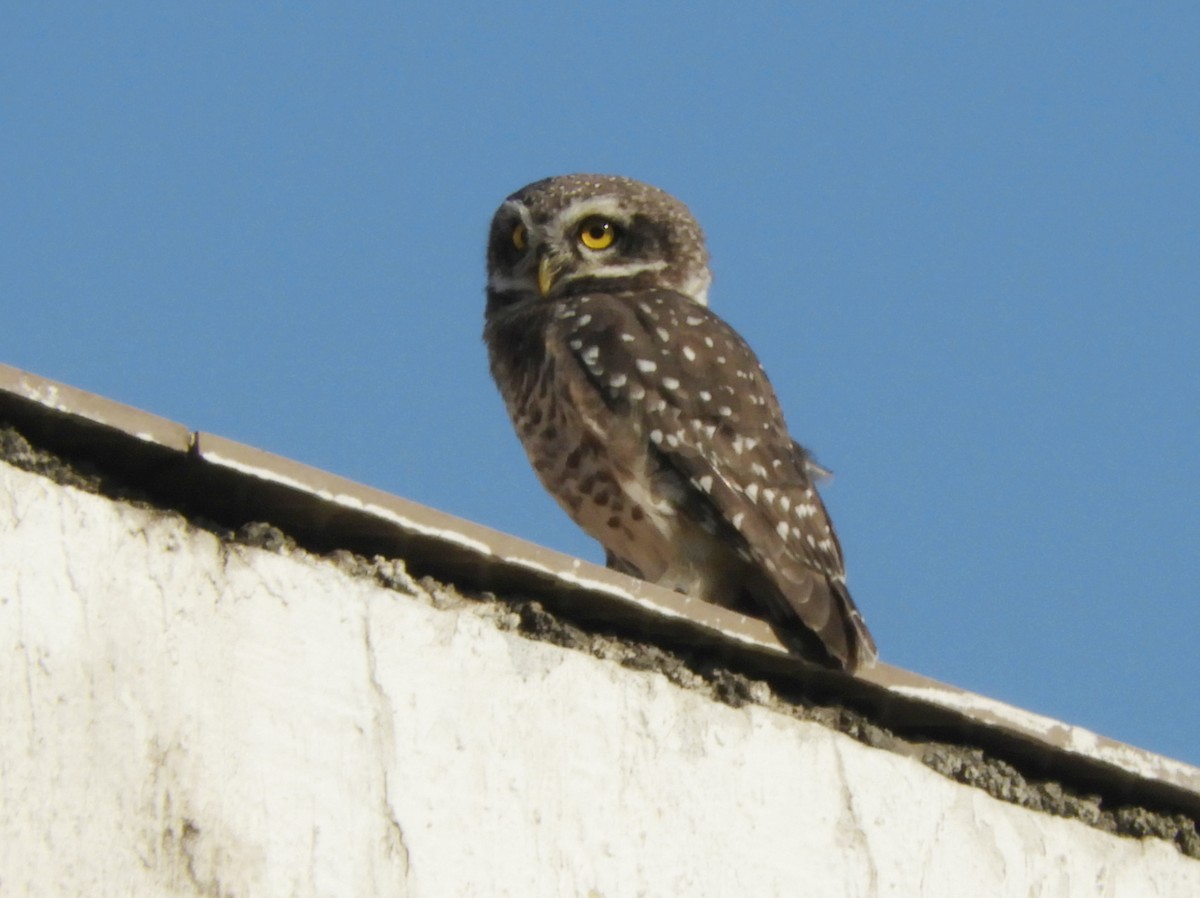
(182,716)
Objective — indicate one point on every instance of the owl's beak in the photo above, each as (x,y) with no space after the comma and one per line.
(546,275)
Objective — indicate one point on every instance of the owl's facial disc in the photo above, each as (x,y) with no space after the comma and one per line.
(597,241)
(567,236)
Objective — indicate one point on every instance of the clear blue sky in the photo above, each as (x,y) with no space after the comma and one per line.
(964,239)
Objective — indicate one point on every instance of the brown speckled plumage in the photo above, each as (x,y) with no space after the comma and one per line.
(649,419)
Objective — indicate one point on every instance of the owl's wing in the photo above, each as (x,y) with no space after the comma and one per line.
(701,399)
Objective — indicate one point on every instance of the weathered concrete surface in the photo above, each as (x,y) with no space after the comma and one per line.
(184,715)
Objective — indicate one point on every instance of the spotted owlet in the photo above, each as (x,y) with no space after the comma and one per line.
(649,419)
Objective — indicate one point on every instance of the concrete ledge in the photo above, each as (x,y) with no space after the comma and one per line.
(189,715)
(122,454)
(131,452)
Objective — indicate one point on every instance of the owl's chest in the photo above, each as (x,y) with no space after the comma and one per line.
(552,406)
(604,472)
(594,453)
(562,421)
(573,438)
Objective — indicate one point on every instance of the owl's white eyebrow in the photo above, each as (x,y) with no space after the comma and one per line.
(515,206)
(515,209)
(608,206)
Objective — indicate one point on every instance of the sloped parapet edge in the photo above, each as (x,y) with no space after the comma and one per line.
(229,482)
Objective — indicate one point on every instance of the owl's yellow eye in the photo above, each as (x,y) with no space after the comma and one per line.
(597,233)
(519,237)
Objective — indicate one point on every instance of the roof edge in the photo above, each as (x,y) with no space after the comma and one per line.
(232,483)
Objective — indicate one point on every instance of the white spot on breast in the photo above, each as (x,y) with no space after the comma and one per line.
(752,492)
(637,391)
(737,519)
(785,502)
(663,334)
(627,338)
(693,320)
(591,354)
(705,483)
(585,320)
(646,366)
(768,495)
(656,437)
(670,383)
(708,341)
(725,411)
(689,353)
(782,529)
(617,381)
(705,395)
(575,344)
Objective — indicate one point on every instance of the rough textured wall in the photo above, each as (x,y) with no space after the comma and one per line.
(187,715)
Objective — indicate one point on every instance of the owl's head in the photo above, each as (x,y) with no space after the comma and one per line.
(577,234)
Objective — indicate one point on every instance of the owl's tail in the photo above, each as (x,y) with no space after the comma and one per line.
(817,619)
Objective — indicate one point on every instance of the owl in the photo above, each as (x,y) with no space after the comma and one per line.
(649,419)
